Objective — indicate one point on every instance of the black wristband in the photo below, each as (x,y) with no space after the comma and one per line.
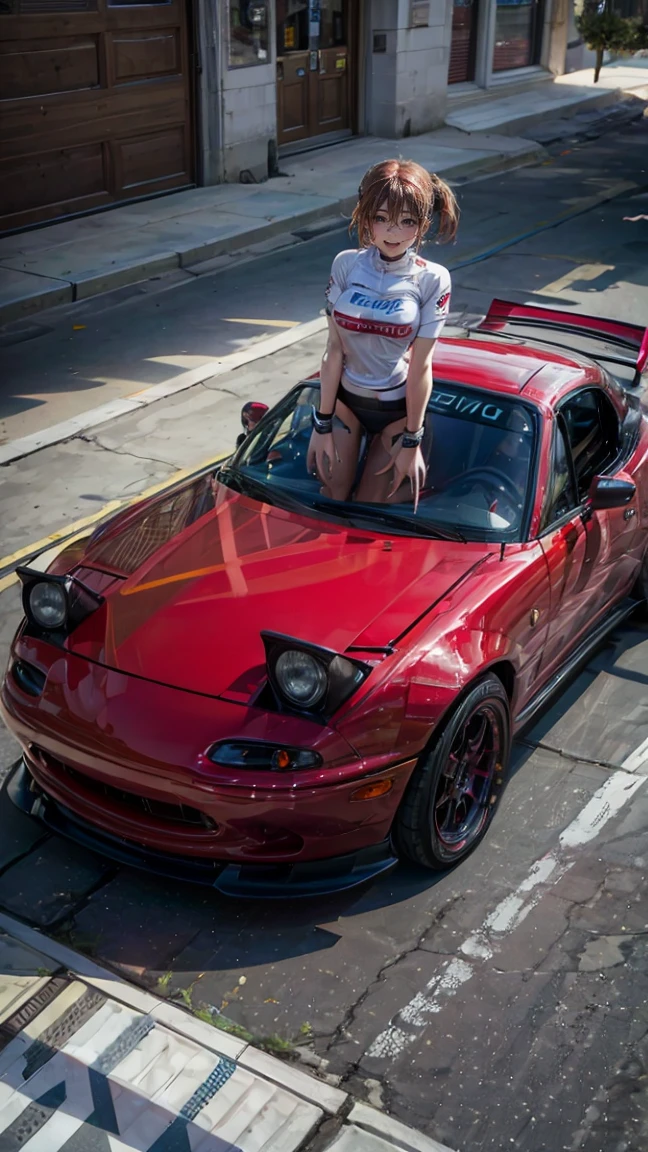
(322,424)
(412,439)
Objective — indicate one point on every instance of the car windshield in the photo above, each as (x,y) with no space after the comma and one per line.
(479,451)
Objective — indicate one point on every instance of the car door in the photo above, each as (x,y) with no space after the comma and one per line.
(592,556)
(582,546)
(564,540)
(599,447)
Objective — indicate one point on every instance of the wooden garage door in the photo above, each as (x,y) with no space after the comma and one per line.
(94,105)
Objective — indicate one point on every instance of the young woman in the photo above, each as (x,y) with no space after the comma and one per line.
(386,308)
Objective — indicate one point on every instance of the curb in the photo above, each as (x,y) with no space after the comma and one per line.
(66,292)
(357,1127)
(327,1097)
(75,291)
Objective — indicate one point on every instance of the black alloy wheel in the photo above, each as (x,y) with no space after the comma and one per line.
(454,792)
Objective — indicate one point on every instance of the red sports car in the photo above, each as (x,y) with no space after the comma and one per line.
(242,682)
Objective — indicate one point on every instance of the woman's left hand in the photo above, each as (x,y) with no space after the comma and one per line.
(408,463)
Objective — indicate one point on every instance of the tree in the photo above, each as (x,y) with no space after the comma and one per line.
(604,31)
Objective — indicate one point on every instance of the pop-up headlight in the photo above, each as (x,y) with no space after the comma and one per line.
(307,678)
(47,604)
(56,603)
(301,678)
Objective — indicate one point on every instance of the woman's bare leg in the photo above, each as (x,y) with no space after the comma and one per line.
(347,436)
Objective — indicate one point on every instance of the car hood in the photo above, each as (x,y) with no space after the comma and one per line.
(191,613)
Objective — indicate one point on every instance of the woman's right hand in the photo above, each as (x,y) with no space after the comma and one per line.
(322,455)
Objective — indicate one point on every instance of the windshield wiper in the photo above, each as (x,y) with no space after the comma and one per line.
(274,494)
(393,519)
(259,489)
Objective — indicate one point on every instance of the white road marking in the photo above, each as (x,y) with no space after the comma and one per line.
(480,946)
(602,807)
(261,323)
(637,759)
(257,350)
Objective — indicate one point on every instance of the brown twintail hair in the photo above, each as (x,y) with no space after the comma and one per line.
(405,186)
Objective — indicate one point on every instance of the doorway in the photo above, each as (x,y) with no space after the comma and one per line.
(315,70)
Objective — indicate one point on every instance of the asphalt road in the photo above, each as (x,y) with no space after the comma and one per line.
(502,1005)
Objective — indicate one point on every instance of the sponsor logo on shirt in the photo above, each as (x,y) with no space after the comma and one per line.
(373,327)
(443,302)
(377,305)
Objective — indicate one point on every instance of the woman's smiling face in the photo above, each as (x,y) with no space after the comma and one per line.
(393,238)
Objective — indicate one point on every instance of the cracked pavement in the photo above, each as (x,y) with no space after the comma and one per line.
(544,1045)
(59,485)
(123,452)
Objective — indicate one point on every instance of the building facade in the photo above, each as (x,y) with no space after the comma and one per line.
(314,71)
(107,101)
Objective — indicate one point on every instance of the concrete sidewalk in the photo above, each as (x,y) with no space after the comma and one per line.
(191,230)
(89,1063)
(507,109)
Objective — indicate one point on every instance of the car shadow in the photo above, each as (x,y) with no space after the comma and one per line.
(601,715)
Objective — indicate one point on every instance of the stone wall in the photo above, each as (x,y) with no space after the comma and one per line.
(249,119)
(407,81)
(237,106)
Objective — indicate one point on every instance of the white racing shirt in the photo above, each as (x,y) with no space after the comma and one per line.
(379,308)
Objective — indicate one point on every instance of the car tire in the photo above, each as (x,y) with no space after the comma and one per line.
(454,792)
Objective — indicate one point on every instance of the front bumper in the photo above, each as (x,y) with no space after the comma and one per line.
(118,764)
(125,758)
(280,880)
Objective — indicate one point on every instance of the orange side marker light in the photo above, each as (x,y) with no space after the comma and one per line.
(373,791)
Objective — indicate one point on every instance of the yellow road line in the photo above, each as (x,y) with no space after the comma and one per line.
(7,581)
(584,272)
(75,528)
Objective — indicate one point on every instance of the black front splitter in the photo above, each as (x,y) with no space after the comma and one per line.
(261,881)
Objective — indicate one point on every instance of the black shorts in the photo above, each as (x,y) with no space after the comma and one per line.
(374,415)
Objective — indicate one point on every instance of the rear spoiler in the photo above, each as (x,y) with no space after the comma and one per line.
(633,337)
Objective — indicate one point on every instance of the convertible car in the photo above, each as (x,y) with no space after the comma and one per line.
(244,683)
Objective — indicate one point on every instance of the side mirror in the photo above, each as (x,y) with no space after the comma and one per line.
(609,492)
(251,414)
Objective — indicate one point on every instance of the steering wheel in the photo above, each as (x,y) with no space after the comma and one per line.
(493,480)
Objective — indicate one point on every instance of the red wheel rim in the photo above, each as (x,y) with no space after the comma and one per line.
(464,793)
